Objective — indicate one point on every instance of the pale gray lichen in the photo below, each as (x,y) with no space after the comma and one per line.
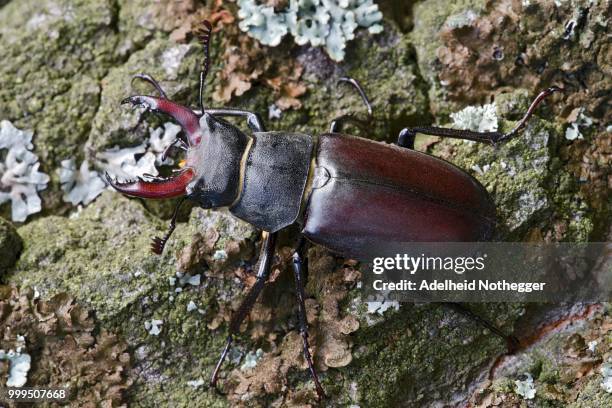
(525,388)
(329,23)
(82,185)
(464,19)
(20,180)
(220,255)
(10,136)
(476,118)
(160,139)
(172,59)
(381,307)
(573,130)
(196,383)
(251,359)
(274,112)
(123,162)
(140,160)
(154,327)
(20,364)
(261,22)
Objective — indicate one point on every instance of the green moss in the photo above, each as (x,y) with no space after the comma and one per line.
(10,245)
(172,64)
(54,55)
(101,255)
(429,18)
(405,359)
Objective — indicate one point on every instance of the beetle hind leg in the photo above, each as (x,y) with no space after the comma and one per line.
(148,78)
(298,266)
(512,342)
(265,263)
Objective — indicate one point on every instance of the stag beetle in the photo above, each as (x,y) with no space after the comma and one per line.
(345,192)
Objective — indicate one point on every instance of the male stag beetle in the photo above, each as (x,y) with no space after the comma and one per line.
(346,193)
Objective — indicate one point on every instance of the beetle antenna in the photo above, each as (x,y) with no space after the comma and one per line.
(407,135)
(203,33)
(157,247)
(519,126)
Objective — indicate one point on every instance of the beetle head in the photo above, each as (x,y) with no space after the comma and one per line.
(211,169)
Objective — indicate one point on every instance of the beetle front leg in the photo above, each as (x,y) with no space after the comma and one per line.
(148,78)
(299,287)
(254,121)
(265,263)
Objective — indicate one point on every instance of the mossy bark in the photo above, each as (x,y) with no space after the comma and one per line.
(66,66)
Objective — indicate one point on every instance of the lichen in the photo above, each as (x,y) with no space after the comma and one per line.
(476,118)
(10,245)
(319,22)
(525,388)
(125,164)
(63,350)
(606,373)
(556,368)
(160,138)
(82,185)
(19,365)
(20,179)
(580,121)
(470,50)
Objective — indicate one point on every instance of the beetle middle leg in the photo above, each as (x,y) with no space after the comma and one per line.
(337,123)
(265,263)
(298,266)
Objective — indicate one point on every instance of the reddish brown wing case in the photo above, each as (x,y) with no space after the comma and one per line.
(368,194)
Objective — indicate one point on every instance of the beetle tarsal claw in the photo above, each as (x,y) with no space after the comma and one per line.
(157,246)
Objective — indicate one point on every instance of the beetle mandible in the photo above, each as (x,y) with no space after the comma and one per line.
(346,193)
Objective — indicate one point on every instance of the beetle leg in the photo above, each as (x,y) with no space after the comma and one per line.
(189,121)
(338,122)
(158,244)
(253,119)
(484,137)
(406,139)
(148,78)
(298,265)
(265,263)
(512,342)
